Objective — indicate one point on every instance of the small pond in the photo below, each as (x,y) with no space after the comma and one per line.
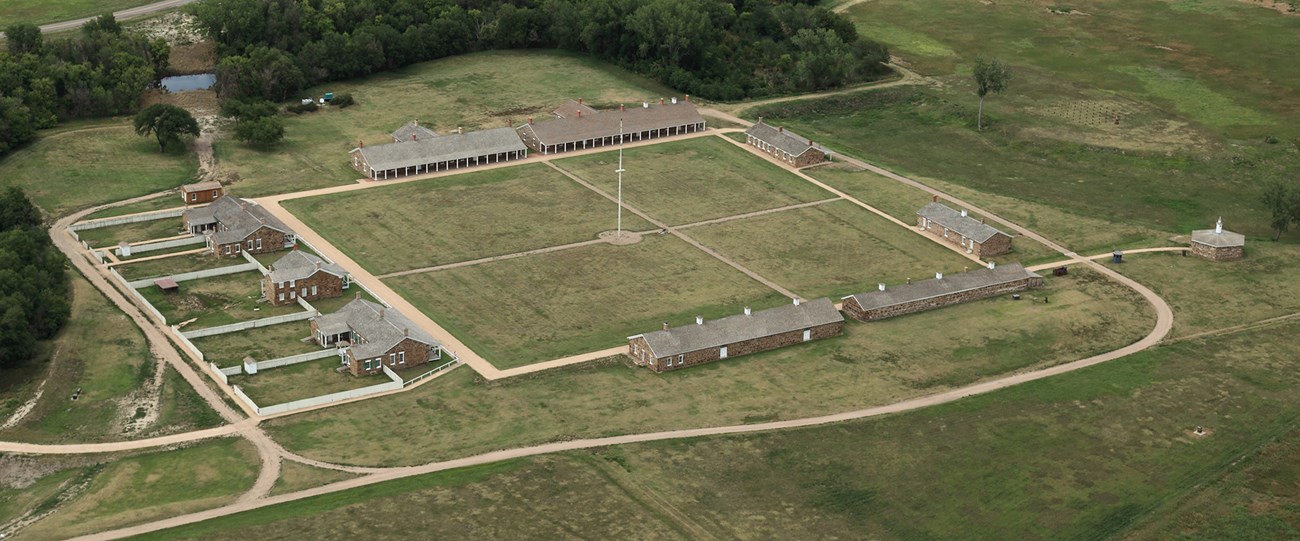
(185,83)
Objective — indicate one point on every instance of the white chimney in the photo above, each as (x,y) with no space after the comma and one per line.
(938,276)
(964,213)
(881,286)
(796,301)
(645,105)
(748,312)
(992,265)
(699,320)
(674,100)
(1218,227)
(460,130)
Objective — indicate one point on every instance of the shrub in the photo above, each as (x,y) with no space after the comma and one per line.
(343,100)
(302,108)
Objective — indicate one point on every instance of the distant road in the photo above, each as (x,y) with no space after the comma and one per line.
(125,14)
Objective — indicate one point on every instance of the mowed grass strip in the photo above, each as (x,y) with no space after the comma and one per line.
(303,380)
(262,344)
(519,311)
(834,249)
(870,365)
(50,11)
(170,266)
(76,169)
(473,91)
(460,218)
(109,237)
(681,182)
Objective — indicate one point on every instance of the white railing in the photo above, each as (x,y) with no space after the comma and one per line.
(295,359)
(129,219)
(184,276)
(185,341)
(217,373)
(450,363)
(260,268)
(163,245)
(245,325)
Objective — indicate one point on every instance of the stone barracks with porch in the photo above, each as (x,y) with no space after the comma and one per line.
(370,336)
(750,332)
(233,225)
(1218,244)
(428,152)
(300,275)
(941,291)
(785,145)
(976,237)
(578,126)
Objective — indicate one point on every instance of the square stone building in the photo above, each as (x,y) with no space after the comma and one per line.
(1218,244)
(300,275)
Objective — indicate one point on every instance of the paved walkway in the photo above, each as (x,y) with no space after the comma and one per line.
(1053,265)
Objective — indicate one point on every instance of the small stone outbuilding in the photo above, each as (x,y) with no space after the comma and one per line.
(300,275)
(974,236)
(890,301)
(1218,244)
(371,336)
(750,332)
(785,145)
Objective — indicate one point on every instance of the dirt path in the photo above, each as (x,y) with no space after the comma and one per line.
(726,111)
(130,13)
(1055,264)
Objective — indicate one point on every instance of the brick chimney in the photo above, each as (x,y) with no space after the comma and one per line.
(415,122)
(460,130)
(699,320)
(413,137)
(530,120)
(510,122)
(383,310)
(688,97)
(780,129)
(579,114)
(406,331)
(621,107)
(760,119)
(579,101)
(358,297)
(661,101)
(361,144)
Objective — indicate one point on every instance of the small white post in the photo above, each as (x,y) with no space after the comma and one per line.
(1218,227)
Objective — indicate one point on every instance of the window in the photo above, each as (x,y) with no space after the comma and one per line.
(392,358)
(250,245)
(437,353)
(227,249)
(290,293)
(401,357)
(259,244)
(194,197)
(282,296)
(722,353)
(681,359)
(214,193)
(367,364)
(304,292)
(807,335)
(313,291)
(670,362)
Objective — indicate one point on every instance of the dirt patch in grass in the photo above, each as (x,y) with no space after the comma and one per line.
(198,57)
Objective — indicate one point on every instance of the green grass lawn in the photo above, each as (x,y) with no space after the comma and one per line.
(475,91)
(103,354)
(331,305)
(1207,295)
(158,203)
(871,364)
(169,266)
(683,182)
(109,237)
(70,170)
(52,11)
(835,249)
(303,380)
(542,307)
(215,301)
(262,344)
(141,488)
(1086,455)
(461,218)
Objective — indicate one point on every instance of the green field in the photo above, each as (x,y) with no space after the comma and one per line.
(169,266)
(220,300)
(108,237)
(474,91)
(835,249)
(158,203)
(303,380)
(262,344)
(462,218)
(871,364)
(537,308)
(103,354)
(74,169)
(682,182)
(52,11)
(295,476)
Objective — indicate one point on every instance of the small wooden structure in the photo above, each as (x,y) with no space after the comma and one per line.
(167,285)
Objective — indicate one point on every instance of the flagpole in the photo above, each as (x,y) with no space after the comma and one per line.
(619,231)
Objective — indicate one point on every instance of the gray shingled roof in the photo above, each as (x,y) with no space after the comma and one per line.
(1218,240)
(569,109)
(442,148)
(238,219)
(955,283)
(200,215)
(605,123)
(379,328)
(299,265)
(201,186)
(783,139)
(404,133)
(966,226)
(739,328)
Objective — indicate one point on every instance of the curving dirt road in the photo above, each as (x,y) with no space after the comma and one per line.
(129,13)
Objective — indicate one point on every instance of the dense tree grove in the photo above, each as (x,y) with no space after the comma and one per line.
(713,48)
(100,71)
(33,281)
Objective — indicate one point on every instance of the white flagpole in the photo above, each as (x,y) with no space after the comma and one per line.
(619,231)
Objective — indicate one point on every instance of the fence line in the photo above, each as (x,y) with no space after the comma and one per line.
(260,268)
(131,219)
(217,373)
(138,296)
(295,359)
(453,361)
(245,325)
(239,393)
(232,370)
(233,269)
(185,341)
(331,398)
(163,245)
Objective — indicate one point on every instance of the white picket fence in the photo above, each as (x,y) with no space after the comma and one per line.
(233,269)
(295,359)
(245,325)
(162,245)
(449,364)
(394,384)
(217,373)
(123,220)
(185,341)
(137,294)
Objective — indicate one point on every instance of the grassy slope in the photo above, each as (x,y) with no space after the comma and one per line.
(57,171)
(871,364)
(483,90)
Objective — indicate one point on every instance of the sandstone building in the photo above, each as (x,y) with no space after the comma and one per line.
(942,291)
(300,275)
(750,332)
(1218,244)
(578,126)
(233,225)
(428,152)
(371,336)
(942,222)
(785,145)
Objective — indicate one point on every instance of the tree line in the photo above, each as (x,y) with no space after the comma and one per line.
(33,281)
(100,71)
(726,50)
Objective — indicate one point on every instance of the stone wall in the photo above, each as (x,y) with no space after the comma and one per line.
(327,286)
(1227,253)
(854,310)
(996,245)
(417,353)
(272,241)
(737,349)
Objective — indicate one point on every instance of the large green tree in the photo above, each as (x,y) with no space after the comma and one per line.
(23,38)
(167,123)
(262,131)
(1282,199)
(33,280)
(991,77)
